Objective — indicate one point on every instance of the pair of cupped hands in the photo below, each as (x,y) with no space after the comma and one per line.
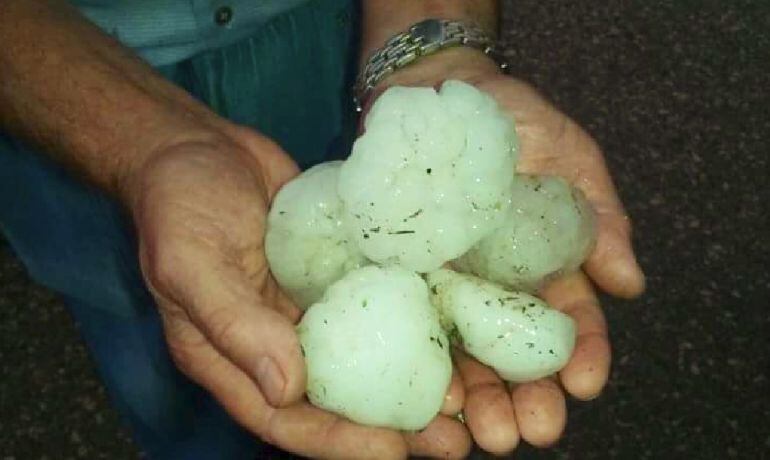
(200,207)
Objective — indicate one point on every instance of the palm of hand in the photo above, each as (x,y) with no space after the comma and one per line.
(553,144)
(200,217)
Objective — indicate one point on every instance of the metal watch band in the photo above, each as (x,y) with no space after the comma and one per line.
(422,39)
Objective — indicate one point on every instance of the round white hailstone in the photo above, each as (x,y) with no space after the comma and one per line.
(375,351)
(518,335)
(306,244)
(549,231)
(431,175)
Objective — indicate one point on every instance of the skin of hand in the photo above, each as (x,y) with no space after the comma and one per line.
(200,209)
(499,415)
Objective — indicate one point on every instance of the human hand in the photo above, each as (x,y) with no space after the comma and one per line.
(199,207)
(497,415)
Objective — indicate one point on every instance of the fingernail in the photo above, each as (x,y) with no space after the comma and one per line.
(271,380)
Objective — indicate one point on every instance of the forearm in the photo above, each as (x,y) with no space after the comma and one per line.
(79,95)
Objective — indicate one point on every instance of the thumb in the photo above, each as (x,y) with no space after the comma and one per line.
(612,264)
(227,307)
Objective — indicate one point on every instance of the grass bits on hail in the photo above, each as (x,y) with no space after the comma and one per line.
(422,240)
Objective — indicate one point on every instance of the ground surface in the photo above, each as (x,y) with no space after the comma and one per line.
(677,94)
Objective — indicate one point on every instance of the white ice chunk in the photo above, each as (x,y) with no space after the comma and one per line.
(517,334)
(375,350)
(548,231)
(306,244)
(431,175)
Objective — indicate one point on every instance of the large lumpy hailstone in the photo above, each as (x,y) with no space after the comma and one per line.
(517,334)
(306,244)
(375,350)
(549,231)
(430,176)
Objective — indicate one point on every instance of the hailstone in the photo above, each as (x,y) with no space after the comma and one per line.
(375,351)
(548,231)
(431,175)
(306,244)
(517,334)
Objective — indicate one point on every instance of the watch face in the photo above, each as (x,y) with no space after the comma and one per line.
(428,31)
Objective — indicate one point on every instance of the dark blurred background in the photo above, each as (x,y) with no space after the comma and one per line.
(677,94)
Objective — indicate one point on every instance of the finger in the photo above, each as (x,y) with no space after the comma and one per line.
(300,428)
(281,302)
(488,407)
(226,306)
(253,263)
(587,371)
(541,411)
(196,358)
(612,264)
(553,144)
(445,437)
(455,395)
(260,340)
(315,433)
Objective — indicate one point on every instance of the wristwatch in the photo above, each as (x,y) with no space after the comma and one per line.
(422,39)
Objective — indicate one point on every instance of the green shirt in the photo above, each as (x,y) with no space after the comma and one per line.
(168,31)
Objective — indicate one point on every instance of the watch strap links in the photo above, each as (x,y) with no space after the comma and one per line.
(421,39)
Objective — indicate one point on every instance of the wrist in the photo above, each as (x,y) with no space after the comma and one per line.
(386,18)
(458,63)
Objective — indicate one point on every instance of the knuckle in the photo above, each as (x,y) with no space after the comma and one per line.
(184,348)
(181,356)
(162,265)
(223,326)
